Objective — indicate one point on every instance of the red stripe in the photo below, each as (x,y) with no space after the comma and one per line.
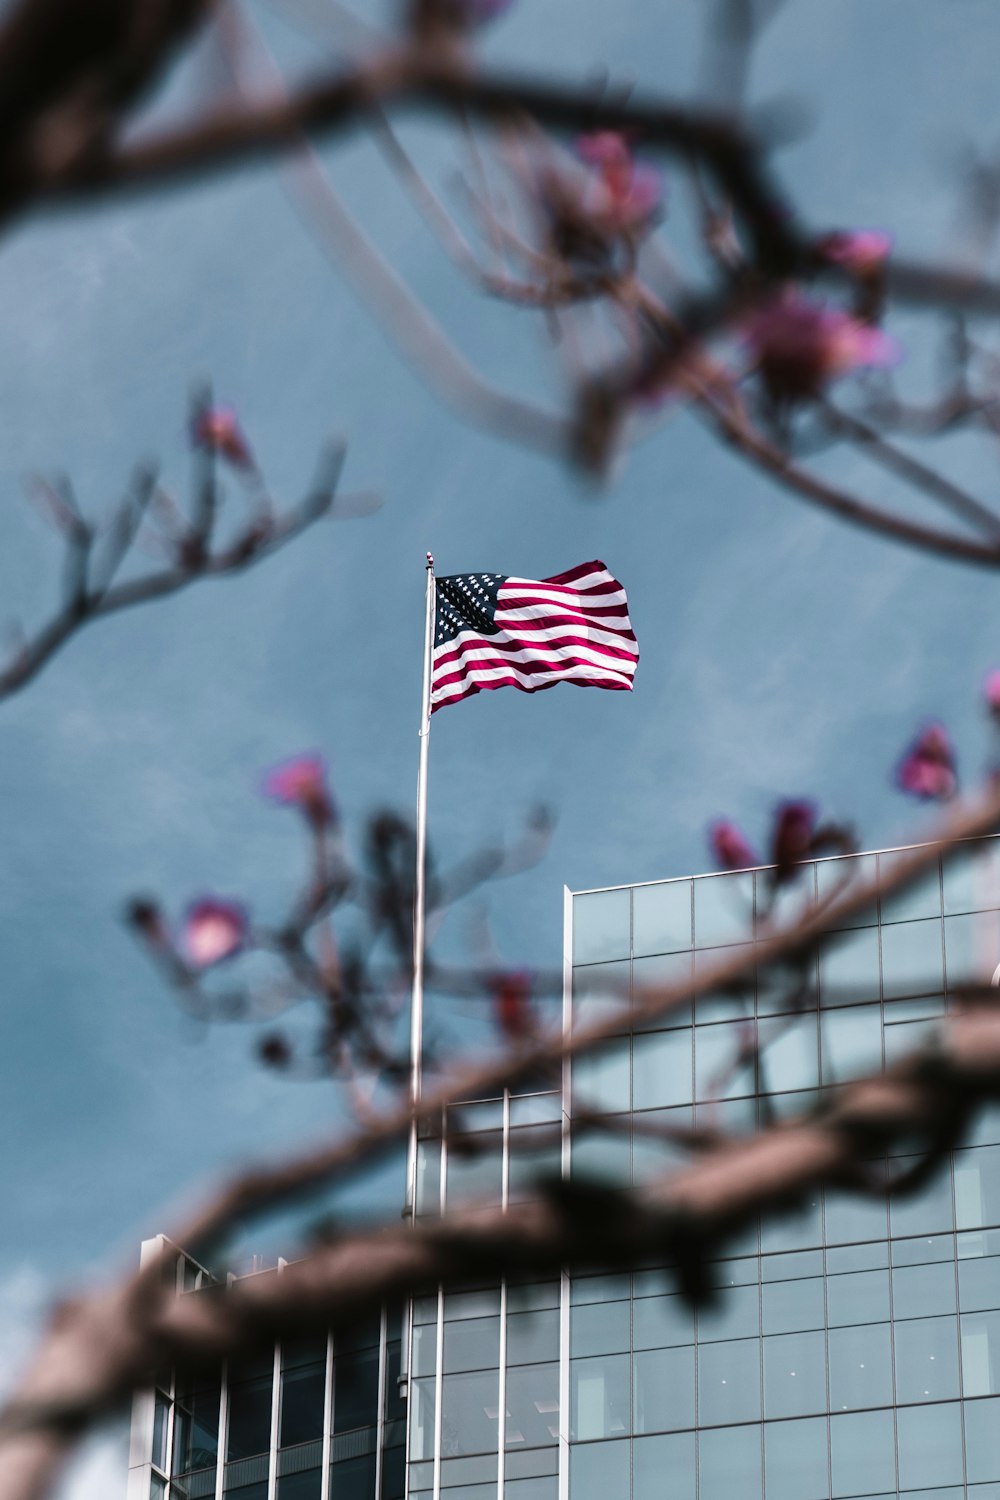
(562,601)
(494,644)
(559,590)
(526,669)
(546,625)
(580,571)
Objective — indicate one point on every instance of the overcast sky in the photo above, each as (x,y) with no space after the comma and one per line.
(782,653)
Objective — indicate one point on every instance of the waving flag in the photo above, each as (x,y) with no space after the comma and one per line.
(493,631)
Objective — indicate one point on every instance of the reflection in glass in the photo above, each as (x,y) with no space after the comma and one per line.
(661,1069)
(981,1353)
(982,1451)
(848,968)
(533,1406)
(600,926)
(852,1042)
(599,1471)
(858,1297)
(922,1291)
(469,1413)
(599,1328)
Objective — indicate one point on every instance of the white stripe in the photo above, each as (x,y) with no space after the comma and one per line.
(564,594)
(533,630)
(585,581)
(491,674)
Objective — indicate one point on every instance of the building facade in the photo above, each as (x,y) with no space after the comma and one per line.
(854,1352)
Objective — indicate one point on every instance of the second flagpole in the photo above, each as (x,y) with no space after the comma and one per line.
(420,882)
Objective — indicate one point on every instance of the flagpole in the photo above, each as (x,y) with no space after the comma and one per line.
(420,892)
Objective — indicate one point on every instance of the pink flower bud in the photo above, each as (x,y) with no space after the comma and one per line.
(928,768)
(729,847)
(217,428)
(792,835)
(862,251)
(799,345)
(213,930)
(512,1005)
(991,691)
(623,195)
(301,782)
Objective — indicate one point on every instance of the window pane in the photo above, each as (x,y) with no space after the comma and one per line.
(723,909)
(850,1218)
(843,874)
(982,1451)
(858,1297)
(661,917)
(920,900)
(729,1382)
(469,1413)
(795,1460)
(306,1485)
(532,1336)
(601,990)
(471,1344)
(729,1464)
(981,1353)
(860,1366)
(733,1315)
(196,1427)
(662,1469)
(849,968)
(598,1471)
(863,1453)
(911,959)
(249,1411)
(926,1212)
(793,1305)
(422,1418)
(977,1187)
(789,1059)
(922,1291)
(852,1042)
(355,1390)
(930,1446)
(664,1389)
(599,1396)
(533,1406)
(303,1389)
(600,926)
(661,1069)
(794,1374)
(601,1080)
(717,1048)
(926,1360)
(599,1328)
(662,1321)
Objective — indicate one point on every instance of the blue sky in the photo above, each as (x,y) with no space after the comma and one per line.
(782,653)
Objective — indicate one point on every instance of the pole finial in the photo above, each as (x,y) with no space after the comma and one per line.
(430,559)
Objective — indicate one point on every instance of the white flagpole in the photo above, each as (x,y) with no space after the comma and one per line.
(420,893)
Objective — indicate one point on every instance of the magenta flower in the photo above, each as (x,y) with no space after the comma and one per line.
(623,195)
(863,251)
(800,345)
(301,782)
(928,768)
(792,835)
(217,428)
(213,930)
(730,848)
(991,691)
(512,1010)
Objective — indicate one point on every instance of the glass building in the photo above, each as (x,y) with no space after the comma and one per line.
(854,1351)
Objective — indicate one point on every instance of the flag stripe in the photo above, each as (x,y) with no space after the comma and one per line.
(496,631)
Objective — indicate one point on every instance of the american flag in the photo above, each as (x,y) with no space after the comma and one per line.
(494,631)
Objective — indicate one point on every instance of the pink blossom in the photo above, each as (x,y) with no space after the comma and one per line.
(860,250)
(512,1004)
(217,428)
(213,930)
(928,768)
(792,835)
(624,194)
(731,849)
(991,691)
(301,782)
(800,345)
